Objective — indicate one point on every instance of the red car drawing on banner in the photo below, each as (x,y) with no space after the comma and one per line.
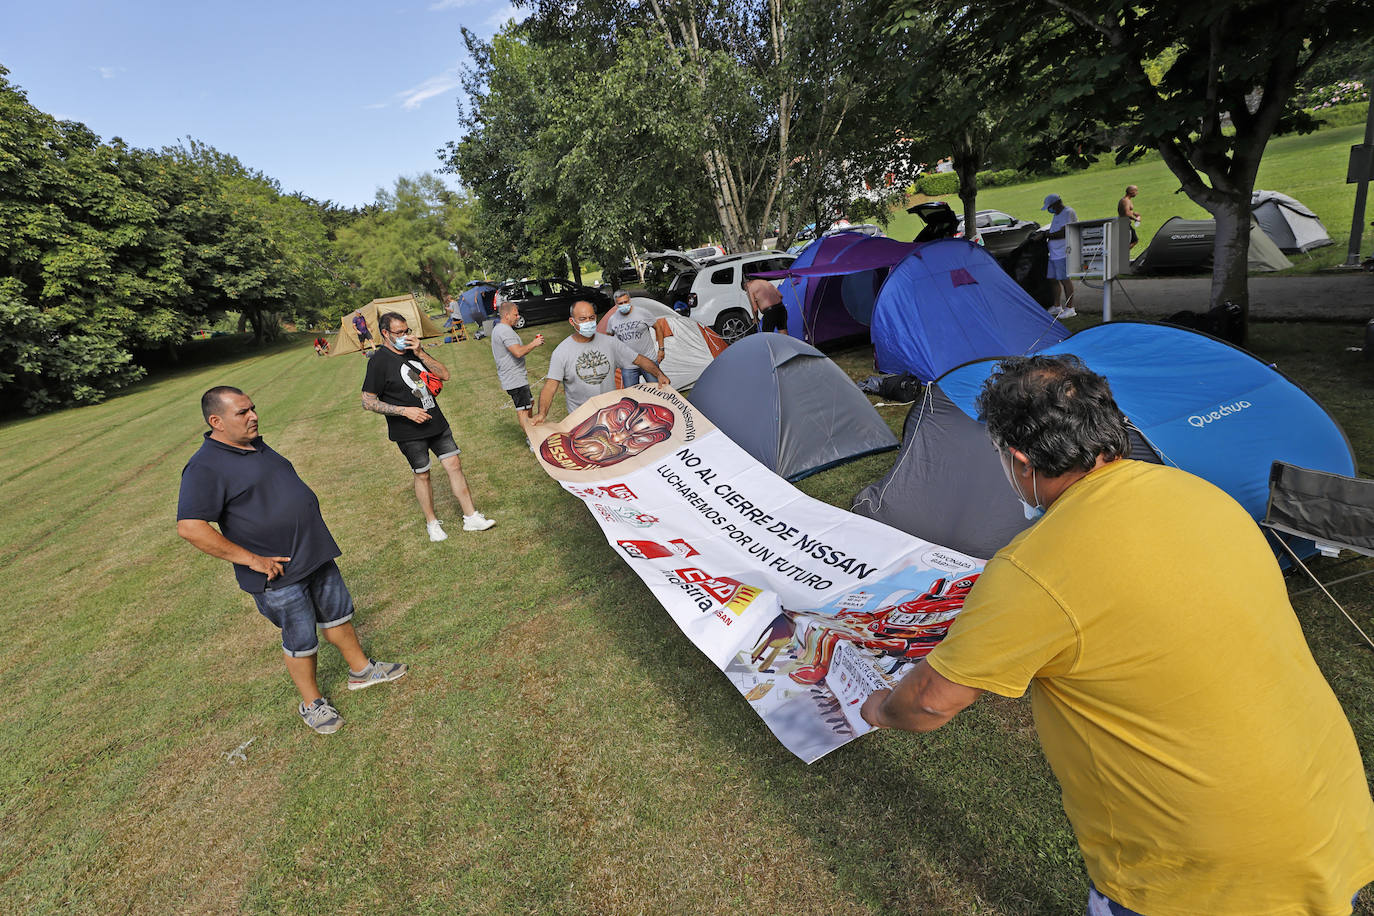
(904,631)
(652,550)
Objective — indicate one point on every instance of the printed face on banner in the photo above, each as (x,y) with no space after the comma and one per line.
(609,436)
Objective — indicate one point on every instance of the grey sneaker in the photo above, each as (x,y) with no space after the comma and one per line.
(376,673)
(477,522)
(321,716)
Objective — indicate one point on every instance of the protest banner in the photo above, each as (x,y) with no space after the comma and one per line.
(805,608)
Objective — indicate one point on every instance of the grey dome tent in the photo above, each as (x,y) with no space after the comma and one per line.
(1291,226)
(948,485)
(789,406)
(1186,244)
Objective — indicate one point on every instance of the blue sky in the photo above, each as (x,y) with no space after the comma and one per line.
(334,99)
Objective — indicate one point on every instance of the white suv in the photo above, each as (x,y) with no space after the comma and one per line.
(709,290)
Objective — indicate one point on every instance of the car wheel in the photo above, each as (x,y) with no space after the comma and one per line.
(519,321)
(734,324)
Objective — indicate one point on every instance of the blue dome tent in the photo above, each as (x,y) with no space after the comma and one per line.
(949,302)
(1195,402)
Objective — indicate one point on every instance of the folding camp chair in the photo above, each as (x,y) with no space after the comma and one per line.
(1335,512)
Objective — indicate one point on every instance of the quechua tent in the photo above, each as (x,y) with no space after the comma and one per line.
(406,306)
(1289,223)
(1186,244)
(789,406)
(1193,402)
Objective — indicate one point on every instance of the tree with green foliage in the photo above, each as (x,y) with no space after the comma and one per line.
(256,251)
(85,273)
(1205,84)
(627,126)
(107,251)
(419,236)
(974,114)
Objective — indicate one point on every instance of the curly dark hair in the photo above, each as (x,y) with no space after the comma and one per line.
(1056,410)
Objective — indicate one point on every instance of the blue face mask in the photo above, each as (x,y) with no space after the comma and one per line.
(587,328)
(624,309)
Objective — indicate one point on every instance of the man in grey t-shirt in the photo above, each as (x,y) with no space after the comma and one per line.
(633,327)
(509,354)
(585,363)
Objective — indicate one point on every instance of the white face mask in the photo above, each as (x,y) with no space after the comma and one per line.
(587,328)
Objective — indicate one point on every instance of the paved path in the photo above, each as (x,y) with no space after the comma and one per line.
(1327,297)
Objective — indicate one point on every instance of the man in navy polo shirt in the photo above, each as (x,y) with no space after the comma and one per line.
(271,529)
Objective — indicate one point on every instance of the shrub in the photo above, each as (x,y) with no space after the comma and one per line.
(938,184)
(1341,115)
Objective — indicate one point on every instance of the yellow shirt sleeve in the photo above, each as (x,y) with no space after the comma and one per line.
(1011,629)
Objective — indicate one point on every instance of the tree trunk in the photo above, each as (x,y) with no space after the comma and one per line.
(576,265)
(1231,256)
(966,162)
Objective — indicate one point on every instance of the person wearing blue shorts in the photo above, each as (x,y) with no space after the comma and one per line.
(271,530)
(1058,268)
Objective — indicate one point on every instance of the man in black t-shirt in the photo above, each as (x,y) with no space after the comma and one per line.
(271,529)
(401,382)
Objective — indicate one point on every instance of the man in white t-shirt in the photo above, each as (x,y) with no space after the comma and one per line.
(585,363)
(1059,265)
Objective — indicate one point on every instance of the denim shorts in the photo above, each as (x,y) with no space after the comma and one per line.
(631,376)
(417,450)
(1058,269)
(321,600)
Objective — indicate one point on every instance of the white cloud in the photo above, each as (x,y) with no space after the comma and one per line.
(108,73)
(498,18)
(438,84)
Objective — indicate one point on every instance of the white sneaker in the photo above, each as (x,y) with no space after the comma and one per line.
(477,522)
(1067,312)
(436,531)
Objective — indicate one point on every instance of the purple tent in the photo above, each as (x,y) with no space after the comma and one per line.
(829,290)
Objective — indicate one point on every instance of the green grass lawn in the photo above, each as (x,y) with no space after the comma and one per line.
(1309,167)
(558,746)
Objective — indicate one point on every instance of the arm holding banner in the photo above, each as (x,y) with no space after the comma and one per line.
(545,400)
(649,366)
(921,702)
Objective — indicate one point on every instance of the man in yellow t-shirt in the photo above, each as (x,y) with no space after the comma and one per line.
(1206,765)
